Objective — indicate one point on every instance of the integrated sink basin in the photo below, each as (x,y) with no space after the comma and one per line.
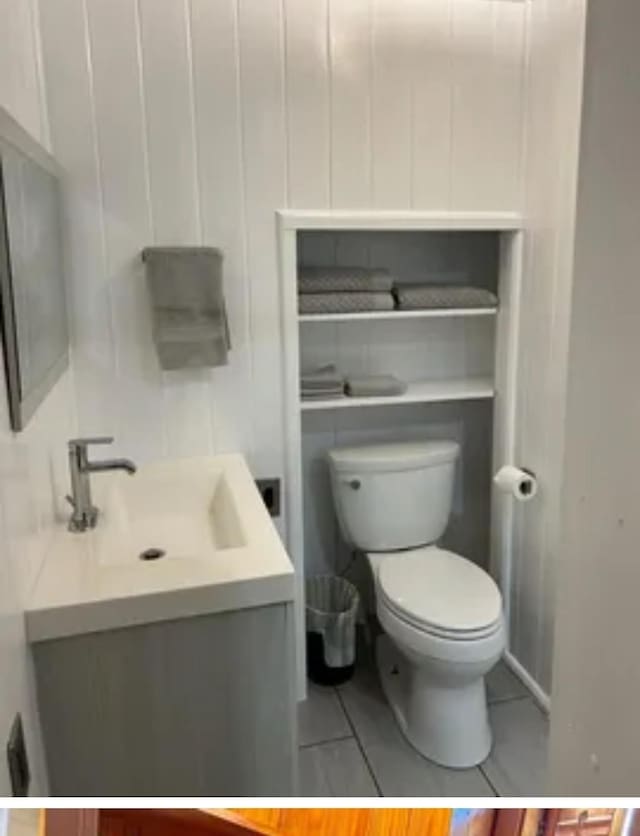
(179,538)
(175,511)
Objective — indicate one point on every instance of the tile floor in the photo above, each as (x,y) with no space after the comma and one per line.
(350,745)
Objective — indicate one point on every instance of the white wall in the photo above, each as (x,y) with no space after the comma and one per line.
(594,724)
(554,90)
(193,121)
(32,463)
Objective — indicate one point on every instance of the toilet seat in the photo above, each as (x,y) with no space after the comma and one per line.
(440,593)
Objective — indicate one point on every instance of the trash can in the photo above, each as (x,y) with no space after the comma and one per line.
(332,610)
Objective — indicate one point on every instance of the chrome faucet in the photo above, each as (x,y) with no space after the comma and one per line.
(85,513)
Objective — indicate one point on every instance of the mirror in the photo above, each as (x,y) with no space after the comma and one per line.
(35,334)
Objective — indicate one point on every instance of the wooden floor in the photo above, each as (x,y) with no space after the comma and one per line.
(350,822)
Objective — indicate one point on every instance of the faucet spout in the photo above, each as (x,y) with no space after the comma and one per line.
(112,464)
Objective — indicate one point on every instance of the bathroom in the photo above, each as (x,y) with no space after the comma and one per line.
(442,137)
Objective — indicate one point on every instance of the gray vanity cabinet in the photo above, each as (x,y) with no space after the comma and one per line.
(197,706)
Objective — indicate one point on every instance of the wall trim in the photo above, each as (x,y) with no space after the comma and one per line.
(539,695)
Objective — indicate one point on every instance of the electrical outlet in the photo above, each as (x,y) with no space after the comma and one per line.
(17,759)
(270,493)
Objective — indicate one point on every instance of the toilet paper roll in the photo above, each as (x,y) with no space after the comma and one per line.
(519,483)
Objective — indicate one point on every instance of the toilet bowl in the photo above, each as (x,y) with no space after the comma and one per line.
(441,614)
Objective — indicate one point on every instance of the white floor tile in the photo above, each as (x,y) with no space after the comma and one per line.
(320,717)
(502,684)
(335,770)
(517,763)
(398,768)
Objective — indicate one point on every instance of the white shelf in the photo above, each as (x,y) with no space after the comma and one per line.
(373,220)
(380,315)
(428,391)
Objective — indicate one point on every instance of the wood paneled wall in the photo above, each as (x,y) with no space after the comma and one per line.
(33,463)
(182,121)
(554,97)
(351,822)
(187,121)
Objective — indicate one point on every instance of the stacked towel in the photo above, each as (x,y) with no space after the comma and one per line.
(324,303)
(324,382)
(344,280)
(323,290)
(374,386)
(424,296)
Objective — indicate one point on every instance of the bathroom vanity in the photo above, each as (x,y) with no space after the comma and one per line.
(163,640)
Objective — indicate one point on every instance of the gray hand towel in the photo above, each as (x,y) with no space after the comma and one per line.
(189,318)
(343,280)
(374,386)
(425,296)
(327,303)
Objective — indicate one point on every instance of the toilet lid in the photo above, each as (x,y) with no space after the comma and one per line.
(440,591)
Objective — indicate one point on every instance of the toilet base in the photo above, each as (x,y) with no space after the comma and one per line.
(446,721)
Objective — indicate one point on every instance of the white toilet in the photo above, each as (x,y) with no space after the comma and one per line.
(442,614)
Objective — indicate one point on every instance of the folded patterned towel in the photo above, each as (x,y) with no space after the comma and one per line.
(344,280)
(417,297)
(374,386)
(324,303)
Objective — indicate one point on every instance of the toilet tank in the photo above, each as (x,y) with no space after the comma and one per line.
(393,496)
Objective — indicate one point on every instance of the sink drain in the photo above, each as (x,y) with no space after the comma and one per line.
(152,554)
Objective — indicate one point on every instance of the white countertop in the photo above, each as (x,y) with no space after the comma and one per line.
(93,581)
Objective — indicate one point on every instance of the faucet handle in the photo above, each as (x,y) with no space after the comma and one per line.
(75,443)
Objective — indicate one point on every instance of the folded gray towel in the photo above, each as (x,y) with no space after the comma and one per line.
(321,379)
(344,280)
(321,396)
(325,303)
(374,385)
(189,317)
(424,296)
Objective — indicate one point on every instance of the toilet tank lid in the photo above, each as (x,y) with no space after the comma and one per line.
(400,456)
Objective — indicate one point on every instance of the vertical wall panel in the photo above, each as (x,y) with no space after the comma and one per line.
(73,136)
(220,182)
(431,97)
(20,90)
(351,68)
(391,118)
(33,463)
(264,154)
(308,102)
(170,140)
(487,103)
(113,41)
(556,34)
(174,193)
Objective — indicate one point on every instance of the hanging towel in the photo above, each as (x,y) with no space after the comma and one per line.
(189,317)
(325,303)
(344,280)
(374,386)
(425,296)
